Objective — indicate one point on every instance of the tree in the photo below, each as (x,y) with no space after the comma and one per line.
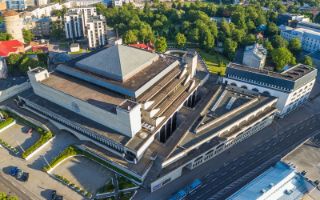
(161,44)
(225,28)
(130,37)
(278,42)
(5,36)
(207,40)
(295,46)
(238,35)
(272,29)
(27,35)
(267,44)
(249,40)
(281,57)
(307,60)
(229,48)
(181,40)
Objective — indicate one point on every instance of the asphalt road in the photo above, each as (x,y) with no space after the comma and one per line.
(221,183)
(12,189)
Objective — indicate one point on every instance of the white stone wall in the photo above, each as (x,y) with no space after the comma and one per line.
(127,123)
(285,100)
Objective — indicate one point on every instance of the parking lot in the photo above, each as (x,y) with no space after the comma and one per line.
(85,173)
(61,141)
(18,136)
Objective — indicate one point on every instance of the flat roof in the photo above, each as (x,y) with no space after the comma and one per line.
(84,91)
(294,186)
(290,79)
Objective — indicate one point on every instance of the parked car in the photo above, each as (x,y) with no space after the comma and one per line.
(25,177)
(19,174)
(55,196)
(14,171)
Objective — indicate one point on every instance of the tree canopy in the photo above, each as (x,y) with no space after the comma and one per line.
(282,57)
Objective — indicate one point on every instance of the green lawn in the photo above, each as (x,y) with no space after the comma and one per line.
(212,60)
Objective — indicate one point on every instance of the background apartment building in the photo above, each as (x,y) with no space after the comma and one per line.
(308,34)
(16,4)
(84,22)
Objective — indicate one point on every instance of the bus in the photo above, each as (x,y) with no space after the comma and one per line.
(183,193)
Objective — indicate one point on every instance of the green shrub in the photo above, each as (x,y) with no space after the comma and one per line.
(69,151)
(124,183)
(6,122)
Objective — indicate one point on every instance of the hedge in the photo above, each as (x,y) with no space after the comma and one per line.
(45,135)
(124,183)
(6,122)
(72,186)
(69,151)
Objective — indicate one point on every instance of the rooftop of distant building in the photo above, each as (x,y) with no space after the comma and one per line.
(289,79)
(10,46)
(278,182)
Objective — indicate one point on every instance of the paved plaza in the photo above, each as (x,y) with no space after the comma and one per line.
(84,173)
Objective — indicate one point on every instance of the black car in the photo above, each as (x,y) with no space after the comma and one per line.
(25,177)
(53,194)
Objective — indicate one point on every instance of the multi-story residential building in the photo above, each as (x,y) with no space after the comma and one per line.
(84,22)
(309,37)
(42,27)
(255,56)
(16,4)
(13,24)
(292,87)
(73,25)
(95,31)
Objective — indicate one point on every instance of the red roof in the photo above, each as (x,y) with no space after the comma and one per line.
(40,48)
(142,46)
(10,46)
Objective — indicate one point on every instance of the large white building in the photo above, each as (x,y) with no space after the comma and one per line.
(292,86)
(146,110)
(309,37)
(255,56)
(279,182)
(84,22)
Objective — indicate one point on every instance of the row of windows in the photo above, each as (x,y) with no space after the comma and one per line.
(211,153)
(257,82)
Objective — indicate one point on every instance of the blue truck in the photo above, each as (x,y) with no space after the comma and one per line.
(181,194)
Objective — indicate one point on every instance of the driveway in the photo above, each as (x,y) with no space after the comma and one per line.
(84,173)
(61,141)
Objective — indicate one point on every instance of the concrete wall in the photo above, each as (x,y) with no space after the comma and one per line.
(127,123)
(10,92)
